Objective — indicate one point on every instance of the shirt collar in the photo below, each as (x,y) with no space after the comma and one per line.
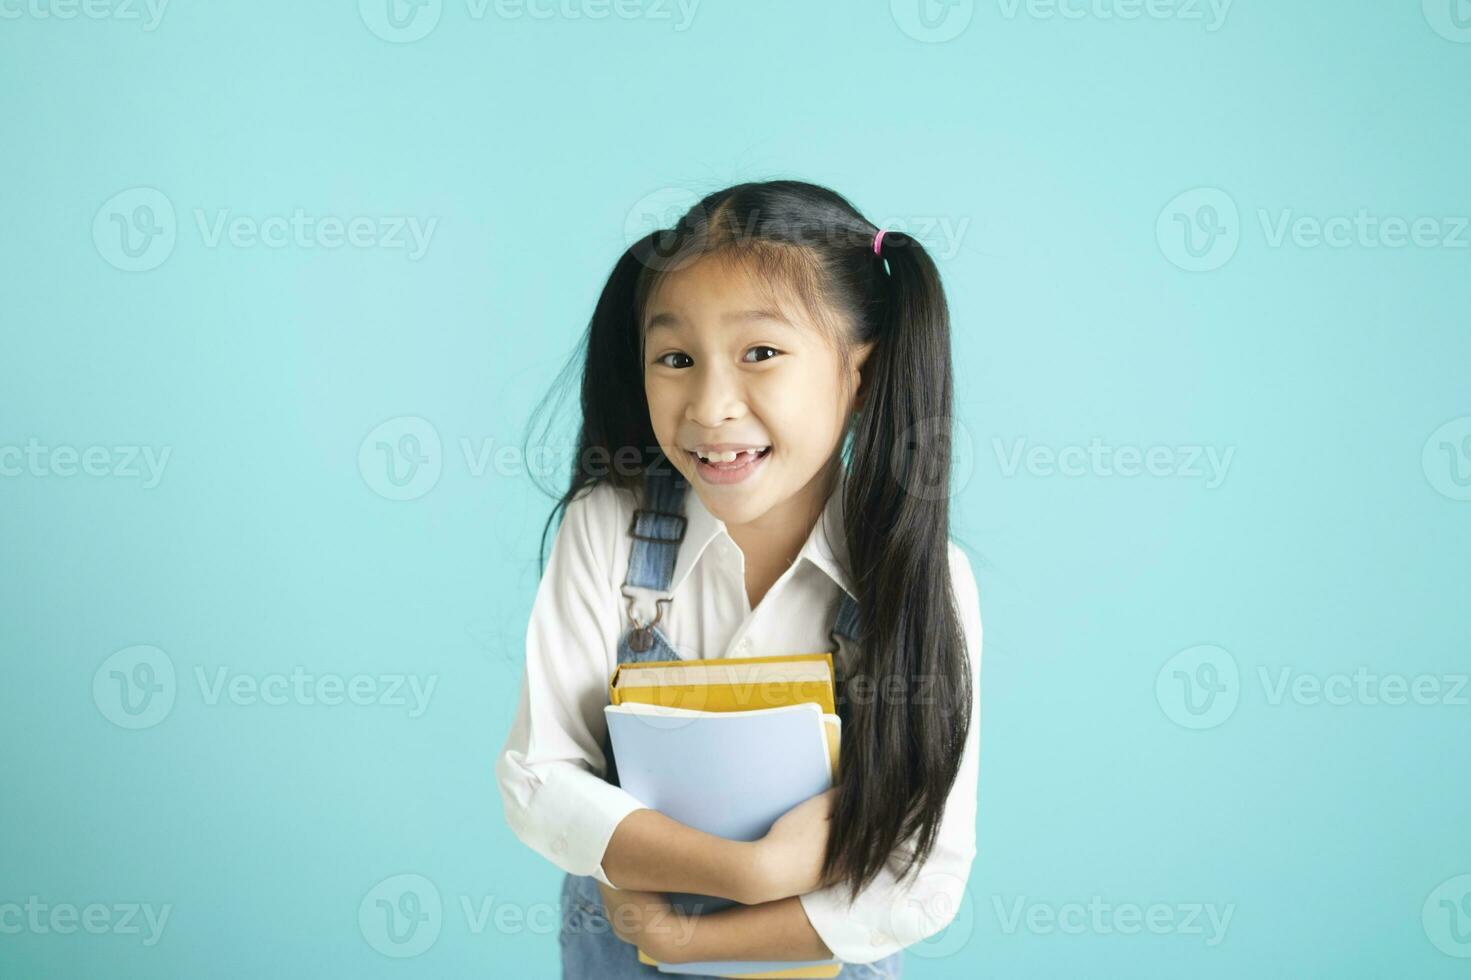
(826,545)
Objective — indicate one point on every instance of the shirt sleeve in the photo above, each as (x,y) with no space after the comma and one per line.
(888,915)
(550,771)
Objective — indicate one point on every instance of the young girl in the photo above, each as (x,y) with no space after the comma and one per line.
(763,468)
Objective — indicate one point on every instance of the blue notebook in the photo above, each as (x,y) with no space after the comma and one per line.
(731,774)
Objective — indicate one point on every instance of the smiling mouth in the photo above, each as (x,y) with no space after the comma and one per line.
(729,457)
(720,468)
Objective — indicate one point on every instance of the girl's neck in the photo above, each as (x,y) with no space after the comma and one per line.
(772,542)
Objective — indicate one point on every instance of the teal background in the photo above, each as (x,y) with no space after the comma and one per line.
(1338,539)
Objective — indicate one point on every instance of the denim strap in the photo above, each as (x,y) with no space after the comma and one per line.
(846,624)
(657,529)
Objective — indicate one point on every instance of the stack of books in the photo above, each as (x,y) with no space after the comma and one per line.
(726,746)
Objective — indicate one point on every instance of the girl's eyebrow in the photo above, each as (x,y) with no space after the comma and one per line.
(672,321)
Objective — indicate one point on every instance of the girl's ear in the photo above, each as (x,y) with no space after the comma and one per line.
(862,371)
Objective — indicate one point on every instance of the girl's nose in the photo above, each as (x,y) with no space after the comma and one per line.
(714,398)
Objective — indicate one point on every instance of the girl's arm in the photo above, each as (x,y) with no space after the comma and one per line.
(550,768)
(777,930)
(652,852)
(766,876)
(649,850)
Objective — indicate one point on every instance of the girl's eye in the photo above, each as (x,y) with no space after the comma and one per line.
(664,358)
(674,353)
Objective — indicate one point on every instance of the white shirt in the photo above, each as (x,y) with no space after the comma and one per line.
(549,771)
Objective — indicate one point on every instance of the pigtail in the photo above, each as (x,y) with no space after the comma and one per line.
(901,747)
(610,357)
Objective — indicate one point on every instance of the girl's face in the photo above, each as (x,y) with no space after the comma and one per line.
(725,369)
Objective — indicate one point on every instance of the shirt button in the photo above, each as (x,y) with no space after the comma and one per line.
(559,846)
(743,647)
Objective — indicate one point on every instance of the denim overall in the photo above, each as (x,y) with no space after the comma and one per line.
(590,950)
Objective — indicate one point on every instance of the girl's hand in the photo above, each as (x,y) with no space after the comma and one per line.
(789,857)
(641,918)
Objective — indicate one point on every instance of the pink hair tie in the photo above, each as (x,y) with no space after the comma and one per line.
(878,242)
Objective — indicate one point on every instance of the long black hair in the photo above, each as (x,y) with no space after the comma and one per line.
(905,697)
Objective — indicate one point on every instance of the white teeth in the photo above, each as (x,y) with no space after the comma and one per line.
(728,456)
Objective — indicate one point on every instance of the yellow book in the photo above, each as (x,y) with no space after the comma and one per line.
(829,970)
(728,684)
(834,728)
(738,684)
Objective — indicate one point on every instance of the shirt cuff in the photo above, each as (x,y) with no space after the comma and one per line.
(850,939)
(889,914)
(581,811)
